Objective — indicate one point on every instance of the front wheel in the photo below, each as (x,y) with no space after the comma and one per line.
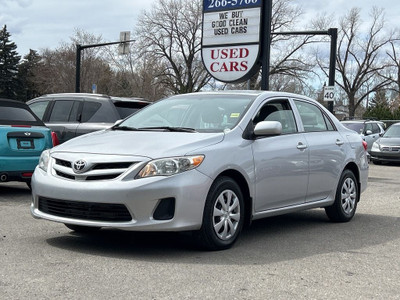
(223,215)
(347,196)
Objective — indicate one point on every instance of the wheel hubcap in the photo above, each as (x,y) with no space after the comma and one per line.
(226,215)
(349,195)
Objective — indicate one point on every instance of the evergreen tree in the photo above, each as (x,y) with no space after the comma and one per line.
(26,75)
(9,60)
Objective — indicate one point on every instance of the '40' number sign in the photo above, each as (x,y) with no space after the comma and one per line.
(210,5)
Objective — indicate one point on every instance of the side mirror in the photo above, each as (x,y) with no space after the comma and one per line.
(368,132)
(266,128)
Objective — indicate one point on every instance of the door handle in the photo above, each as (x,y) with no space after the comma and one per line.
(339,142)
(301,146)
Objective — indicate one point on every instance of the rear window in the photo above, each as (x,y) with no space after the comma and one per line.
(125,108)
(17,116)
(358,127)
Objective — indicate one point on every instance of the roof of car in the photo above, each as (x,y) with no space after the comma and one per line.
(361,121)
(9,102)
(88,95)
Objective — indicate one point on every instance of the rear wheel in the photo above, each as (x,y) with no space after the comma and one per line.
(82,229)
(223,215)
(347,196)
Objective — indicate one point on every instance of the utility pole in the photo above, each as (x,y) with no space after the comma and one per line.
(266,44)
(332,32)
(79,49)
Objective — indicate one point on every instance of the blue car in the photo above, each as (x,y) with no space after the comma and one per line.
(23,137)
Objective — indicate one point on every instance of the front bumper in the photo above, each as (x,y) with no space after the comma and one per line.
(141,198)
(385,156)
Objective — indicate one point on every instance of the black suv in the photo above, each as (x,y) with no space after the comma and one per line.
(74,114)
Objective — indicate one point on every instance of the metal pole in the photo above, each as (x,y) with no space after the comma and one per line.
(332,62)
(79,48)
(266,44)
(78,69)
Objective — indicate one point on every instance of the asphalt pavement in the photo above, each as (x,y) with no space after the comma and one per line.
(296,256)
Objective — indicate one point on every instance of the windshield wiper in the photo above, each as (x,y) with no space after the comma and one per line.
(125,128)
(169,128)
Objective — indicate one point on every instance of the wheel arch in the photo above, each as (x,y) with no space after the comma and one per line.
(353,168)
(244,187)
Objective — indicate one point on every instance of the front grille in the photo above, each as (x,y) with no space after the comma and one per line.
(104,212)
(94,170)
(122,165)
(391,149)
(63,163)
(61,174)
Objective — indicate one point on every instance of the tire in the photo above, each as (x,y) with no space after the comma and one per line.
(82,229)
(223,216)
(346,199)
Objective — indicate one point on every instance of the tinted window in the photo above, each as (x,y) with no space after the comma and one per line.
(125,109)
(61,111)
(15,114)
(312,117)
(39,108)
(89,109)
(375,128)
(358,127)
(278,110)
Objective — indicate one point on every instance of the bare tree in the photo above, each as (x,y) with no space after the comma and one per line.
(170,35)
(360,60)
(290,69)
(56,71)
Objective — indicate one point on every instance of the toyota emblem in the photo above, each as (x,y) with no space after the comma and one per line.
(79,166)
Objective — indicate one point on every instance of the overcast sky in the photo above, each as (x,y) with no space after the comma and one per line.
(38,24)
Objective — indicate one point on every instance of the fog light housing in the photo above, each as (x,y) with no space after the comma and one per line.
(165,209)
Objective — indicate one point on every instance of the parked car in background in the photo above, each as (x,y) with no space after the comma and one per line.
(23,137)
(370,130)
(205,162)
(387,148)
(74,114)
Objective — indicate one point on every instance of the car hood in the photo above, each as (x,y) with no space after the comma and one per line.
(389,141)
(151,144)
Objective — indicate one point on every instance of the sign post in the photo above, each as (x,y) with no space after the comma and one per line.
(231,38)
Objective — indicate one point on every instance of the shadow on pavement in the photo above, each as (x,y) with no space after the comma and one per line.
(269,240)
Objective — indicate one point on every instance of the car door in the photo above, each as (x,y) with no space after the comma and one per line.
(326,150)
(63,118)
(281,162)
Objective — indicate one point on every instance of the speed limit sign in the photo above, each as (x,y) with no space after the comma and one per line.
(329,93)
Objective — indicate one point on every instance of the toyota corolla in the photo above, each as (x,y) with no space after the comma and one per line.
(209,163)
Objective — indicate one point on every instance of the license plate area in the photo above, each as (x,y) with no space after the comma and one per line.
(25,144)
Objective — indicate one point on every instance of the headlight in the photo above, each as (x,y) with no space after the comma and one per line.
(170,166)
(375,147)
(44,160)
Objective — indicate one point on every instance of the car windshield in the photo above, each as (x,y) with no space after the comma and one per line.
(358,127)
(200,113)
(393,132)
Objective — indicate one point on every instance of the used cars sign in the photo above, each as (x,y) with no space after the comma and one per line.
(231,38)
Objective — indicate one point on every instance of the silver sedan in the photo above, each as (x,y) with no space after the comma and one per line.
(204,162)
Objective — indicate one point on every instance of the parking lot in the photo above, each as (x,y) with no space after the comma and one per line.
(297,256)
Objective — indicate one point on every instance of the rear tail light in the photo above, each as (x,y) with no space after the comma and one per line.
(54,138)
(27,174)
(365,145)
